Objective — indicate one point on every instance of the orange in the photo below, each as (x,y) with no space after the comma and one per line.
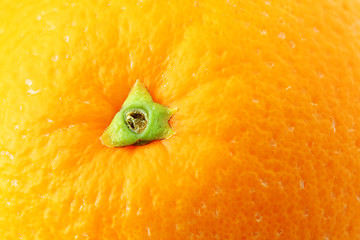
(267,124)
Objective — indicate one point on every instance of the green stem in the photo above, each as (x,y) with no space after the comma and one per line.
(140,121)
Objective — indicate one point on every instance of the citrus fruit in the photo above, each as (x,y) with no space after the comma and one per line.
(267,124)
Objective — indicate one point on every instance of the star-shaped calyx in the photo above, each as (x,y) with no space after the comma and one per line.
(140,120)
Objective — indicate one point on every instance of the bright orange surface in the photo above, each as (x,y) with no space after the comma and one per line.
(268,120)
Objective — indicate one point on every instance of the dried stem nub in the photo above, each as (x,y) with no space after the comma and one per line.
(136,120)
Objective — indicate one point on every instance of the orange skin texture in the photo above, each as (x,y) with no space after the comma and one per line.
(267,128)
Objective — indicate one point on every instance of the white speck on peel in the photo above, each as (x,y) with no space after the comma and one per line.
(306,213)
(338,152)
(270,64)
(6,153)
(38,17)
(138,212)
(49,26)
(21,107)
(288,88)
(268,3)
(148,231)
(14,183)
(49,120)
(279,232)
(28,82)
(216,213)
(263,32)
(273,142)
(333,125)
(54,58)
(292,44)
(321,75)
(255,100)
(256,234)
(332,195)
(197,212)
(282,35)
(16,127)
(316,30)
(32,92)
(233,141)
(131,61)
(66,38)
(258,217)
(263,182)
(127,207)
(302,184)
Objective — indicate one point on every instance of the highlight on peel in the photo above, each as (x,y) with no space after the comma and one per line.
(267,122)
